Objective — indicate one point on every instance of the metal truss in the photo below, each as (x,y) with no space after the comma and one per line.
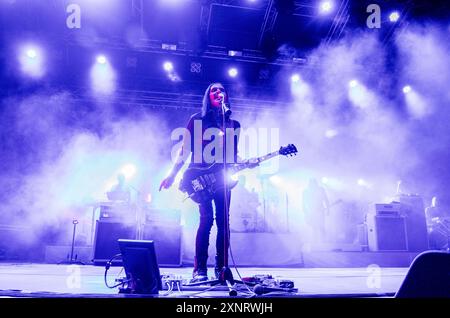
(157,99)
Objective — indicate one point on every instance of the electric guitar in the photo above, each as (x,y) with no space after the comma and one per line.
(200,184)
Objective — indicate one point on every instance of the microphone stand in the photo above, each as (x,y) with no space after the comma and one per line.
(225,275)
(72,260)
(139,226)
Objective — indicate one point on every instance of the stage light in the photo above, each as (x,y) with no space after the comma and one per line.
(168,66)
(394,16)
(128,170)
(234,53)
(353,83)
(325,180)
(325,7)
(406,89)
(330,133)
(295,78)
(233,72)
(417,105)
(103,76)
(31,60)
(101,59)
(31,53)
(360,95)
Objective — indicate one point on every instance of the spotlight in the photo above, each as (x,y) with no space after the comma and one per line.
(31,53)
(325,180)
(406,89)
(233,72)
(326,7)
(31,59)
(168,66)
(128,170)
(394,16)
(234,53)
(353,83)
(103,76)
(101,59)
(330,133)
(295,78)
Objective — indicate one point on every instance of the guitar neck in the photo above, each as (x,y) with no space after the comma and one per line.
(268,156)
(258,160)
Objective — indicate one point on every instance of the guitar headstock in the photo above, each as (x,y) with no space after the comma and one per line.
(289,150)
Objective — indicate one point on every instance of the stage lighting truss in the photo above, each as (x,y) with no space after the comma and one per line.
(196,67)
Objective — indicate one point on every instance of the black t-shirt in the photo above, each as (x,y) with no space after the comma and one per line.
(208,139)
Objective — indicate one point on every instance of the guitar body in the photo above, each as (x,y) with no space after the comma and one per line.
(202,183)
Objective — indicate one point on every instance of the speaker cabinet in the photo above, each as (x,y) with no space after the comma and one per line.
(106,235)
(386,233)
(412,208)
(167,238)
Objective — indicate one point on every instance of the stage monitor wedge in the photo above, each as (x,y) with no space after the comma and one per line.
(141,266)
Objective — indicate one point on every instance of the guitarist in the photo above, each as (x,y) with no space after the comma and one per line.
(215,114)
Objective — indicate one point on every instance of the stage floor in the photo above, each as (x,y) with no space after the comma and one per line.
(51,280)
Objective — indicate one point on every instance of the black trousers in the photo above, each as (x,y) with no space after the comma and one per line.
(207,216)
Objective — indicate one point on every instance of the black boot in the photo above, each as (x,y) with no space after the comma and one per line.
(200,272)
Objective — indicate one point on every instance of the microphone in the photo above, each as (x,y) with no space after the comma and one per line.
(225,108)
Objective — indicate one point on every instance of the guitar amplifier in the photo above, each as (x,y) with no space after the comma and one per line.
(412,207)
(387,209)
(386,233)
(106,235)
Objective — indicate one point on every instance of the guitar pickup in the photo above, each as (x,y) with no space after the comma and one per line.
(197,185)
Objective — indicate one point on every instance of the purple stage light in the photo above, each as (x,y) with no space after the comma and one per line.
(233,72)
(406,89)
(168,66)
(394,16)
(31,53)
(326,7)
(103,76)
(101,59)
(295,78)
(128,170)
(31,60)
(353,83)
